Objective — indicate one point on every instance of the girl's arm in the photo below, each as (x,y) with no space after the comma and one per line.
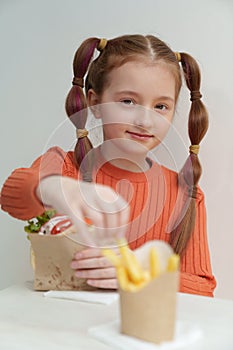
(51,182)
(196,274)
(18,194)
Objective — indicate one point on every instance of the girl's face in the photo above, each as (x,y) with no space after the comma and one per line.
(137,106)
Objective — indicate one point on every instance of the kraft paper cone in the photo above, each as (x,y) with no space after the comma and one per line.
(52,257)
(150,313)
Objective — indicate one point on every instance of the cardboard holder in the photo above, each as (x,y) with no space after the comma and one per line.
(150,313)
(52,256)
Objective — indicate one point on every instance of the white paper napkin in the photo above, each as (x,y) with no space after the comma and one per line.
(98,297)
(109,333)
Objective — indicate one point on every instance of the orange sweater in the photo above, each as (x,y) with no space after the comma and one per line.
(152,196)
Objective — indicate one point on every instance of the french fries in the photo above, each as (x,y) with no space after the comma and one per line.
(130,274)
(173,263)
(154,263)
(131,264)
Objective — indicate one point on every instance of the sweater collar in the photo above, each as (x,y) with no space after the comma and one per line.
(118,173)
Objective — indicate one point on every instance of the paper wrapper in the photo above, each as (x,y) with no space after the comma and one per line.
(52,255)
(150,313)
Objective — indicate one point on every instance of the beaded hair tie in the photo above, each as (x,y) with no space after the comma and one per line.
(81,133)
(178,56)
(195,95)
(102,43)
(78,81)
(194,149)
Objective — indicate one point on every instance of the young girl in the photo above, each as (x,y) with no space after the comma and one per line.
(133,86)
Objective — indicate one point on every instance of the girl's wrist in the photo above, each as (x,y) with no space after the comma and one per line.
(46,189)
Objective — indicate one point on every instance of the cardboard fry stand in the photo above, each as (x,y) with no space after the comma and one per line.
(51,258)
(149,312)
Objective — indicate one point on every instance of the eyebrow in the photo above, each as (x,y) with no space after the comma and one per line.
(130,92)
(166,98)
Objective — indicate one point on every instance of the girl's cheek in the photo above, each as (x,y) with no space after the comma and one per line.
(161,125)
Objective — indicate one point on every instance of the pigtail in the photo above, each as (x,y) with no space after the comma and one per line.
(191,171)
(76,107)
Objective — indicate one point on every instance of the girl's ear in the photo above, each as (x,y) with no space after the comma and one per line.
(93,103)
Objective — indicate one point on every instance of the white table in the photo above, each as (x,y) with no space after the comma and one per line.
(30,321)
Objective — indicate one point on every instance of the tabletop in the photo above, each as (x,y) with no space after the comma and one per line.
(29,320)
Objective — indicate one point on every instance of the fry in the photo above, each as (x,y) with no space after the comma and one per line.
(130,262)
(112,257)
(122,277)
(146,276)
(154,263)
(173,263)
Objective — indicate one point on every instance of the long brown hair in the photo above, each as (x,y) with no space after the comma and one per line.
(96,73)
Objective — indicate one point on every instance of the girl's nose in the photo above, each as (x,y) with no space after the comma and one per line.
(144,117)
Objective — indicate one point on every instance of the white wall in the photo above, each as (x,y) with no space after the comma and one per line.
(38,40)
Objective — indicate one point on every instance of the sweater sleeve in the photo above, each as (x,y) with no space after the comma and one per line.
(196,275)
(18,194)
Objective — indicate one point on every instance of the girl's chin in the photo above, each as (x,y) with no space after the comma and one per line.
(125,148)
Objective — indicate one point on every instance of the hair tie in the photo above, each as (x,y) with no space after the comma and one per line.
(102,43)
(194,149)
(81,133)
(178,56)
(195,95)
(192,192)
(78,81)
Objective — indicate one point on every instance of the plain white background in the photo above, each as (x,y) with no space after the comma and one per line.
(38,41)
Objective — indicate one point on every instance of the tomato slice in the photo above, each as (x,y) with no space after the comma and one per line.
(61,226)
(88,221)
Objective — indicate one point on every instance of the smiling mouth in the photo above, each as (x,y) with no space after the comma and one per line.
(138,135)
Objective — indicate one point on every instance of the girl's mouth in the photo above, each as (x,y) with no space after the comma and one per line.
(139,136)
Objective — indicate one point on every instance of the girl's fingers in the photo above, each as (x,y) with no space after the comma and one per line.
(108,210)
(92,263)
(95,268)
(110,283)
(96,274)
(88,253)
(82,235)
(115,214)
(92,253)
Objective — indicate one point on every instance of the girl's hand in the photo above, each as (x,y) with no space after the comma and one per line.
(108,211)
(94,267)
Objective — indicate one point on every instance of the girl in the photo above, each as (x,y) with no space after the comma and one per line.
(133,86)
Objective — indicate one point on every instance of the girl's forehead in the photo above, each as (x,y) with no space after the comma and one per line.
(136,67)
(137,70)
(139,62)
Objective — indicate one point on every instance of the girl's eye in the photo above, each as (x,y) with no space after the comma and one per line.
(127,102)
(161,107)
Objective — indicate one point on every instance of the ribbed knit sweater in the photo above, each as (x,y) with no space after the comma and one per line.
(152,196)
